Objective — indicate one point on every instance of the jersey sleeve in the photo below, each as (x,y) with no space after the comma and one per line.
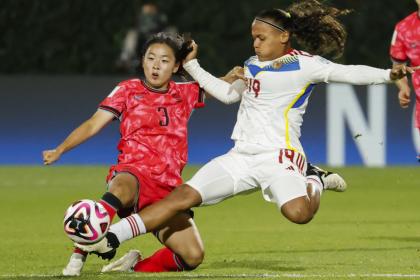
(115,102)
(397,50)
(320,69)
(194,95)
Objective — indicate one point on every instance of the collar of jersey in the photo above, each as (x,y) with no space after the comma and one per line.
(292,65)
(162,91)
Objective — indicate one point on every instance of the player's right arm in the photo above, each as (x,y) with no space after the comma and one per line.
(85,131)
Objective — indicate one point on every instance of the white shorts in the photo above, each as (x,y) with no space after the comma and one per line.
(280,176)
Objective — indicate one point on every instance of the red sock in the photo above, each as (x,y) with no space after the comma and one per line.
(161,261)
(79,251)
(111,210)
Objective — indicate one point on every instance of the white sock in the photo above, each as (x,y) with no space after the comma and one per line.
(128,228)
(315,182)
(78,256)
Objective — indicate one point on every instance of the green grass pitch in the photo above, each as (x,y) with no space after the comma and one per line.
(370,231)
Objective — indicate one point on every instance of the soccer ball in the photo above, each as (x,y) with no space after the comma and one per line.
(86,221)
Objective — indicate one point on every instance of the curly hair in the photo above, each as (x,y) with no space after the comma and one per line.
(313,24)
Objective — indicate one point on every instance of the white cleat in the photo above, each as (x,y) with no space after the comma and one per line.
(333,182)
(75,265)
(125,264)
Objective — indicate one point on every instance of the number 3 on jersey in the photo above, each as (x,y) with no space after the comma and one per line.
(254,86)
(164,114)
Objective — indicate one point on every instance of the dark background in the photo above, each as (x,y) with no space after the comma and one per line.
(57,62)
(84,37)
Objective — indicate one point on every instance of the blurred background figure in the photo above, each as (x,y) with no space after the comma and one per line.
(149,20)
(405,49)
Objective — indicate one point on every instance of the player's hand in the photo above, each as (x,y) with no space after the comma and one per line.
(399,71)
(236,73)
(193,53)
(50,156)
(404,97)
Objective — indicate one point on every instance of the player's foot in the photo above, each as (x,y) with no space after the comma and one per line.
(106,248)
(331,181)
(418,158)
(75,265)
(125,264)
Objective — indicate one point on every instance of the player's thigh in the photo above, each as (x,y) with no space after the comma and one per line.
(124,185)
(213,182)
(181,235)
(286,187)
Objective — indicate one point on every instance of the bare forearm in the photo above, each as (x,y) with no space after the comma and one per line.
(77,137)
(402,83)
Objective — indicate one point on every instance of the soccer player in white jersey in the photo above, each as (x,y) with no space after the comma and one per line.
(267,154)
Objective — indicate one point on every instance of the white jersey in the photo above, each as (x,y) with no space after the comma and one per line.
(276,95)
(275,100)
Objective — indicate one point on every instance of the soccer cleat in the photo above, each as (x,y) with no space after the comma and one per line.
(125,264)
(330,180)
(106,248)
(75,265)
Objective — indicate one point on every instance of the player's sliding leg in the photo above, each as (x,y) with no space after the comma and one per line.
(212,184)
(330,180)
(184,250)
(122,193)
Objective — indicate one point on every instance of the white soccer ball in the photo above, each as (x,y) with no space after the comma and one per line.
(86,221)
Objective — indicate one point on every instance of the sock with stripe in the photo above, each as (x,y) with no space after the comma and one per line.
(163,260)
(128,228)
(316,182)
(111,203)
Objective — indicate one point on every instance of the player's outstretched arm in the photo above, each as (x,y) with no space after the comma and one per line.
(217,88)
(85,131)
(359,74)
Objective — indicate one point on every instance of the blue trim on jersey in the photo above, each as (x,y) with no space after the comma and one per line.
(255,70)
(304,96)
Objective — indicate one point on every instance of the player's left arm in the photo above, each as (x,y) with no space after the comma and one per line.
(323,70)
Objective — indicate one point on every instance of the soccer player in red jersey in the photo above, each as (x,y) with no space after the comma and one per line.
(153,117)
(405,48)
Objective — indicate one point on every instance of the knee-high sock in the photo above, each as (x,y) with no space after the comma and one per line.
(128,228)
(162,260)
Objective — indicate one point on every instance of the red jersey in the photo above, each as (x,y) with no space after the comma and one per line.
(154,127)
(405,47)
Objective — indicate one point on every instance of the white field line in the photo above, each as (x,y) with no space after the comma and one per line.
(233,276)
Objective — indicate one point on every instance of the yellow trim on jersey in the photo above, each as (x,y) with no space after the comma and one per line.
(289,146)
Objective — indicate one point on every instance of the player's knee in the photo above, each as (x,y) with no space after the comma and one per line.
(298,213)
(125,189)
(193,259)
(184,197)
